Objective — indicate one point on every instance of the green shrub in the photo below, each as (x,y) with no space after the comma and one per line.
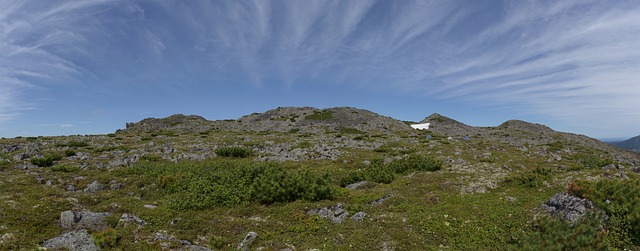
(276,184)
(620,200)
(202,186)
(348,130)
(234,151)
(46,160)
(532,178)
(416,163)
(73,144)
(303,144)
(352,177)
(69,153)
(65,168)
(555,234)
(593,161)
(379,172)
(107,238)
(151,157)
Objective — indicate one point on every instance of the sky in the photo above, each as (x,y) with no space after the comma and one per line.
(88,67)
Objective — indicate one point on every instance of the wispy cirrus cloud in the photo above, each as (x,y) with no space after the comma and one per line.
(568,60)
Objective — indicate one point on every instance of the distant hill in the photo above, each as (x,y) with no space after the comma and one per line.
(630,144)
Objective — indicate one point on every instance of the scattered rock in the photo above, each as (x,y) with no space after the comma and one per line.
(70,188)
(83,219)
(511,199)
(244,244)
(130,218)
(150,206)
(568,207)
(167,241)
(358,216)
(95,186)
(380,201)
(114,185)
(334,213)
(79,240)
(357,185)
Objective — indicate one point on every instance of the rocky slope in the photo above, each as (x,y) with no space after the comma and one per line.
(630,144)
(301,178)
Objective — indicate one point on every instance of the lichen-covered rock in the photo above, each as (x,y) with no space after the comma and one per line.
(79,240)
(130,218)
(568,207)
(334,213)
(244,244)
(357,185)
(95,186)
(83,220)
(358,216)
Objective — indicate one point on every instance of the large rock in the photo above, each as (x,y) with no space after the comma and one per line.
(83,220)
(79,240)
(95,186)
(334,213)
(568,207)
(244,245)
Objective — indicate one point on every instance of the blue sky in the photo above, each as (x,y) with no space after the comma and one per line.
(89,67)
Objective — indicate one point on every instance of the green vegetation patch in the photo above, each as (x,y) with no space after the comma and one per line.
(234,151)
(214,183)
(620,200)
(46,160)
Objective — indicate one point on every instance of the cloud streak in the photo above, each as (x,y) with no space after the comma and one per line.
(572,61)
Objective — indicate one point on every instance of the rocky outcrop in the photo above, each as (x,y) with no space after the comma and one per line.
(95,186)
(246,242)
(79,240)
(568,207)
(83,220)
(447,126)
(334,213)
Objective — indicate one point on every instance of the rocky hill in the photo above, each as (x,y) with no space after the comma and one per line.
(301,178)
(630,144)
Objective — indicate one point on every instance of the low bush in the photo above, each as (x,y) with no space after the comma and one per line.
(352,177)
(379,172)
(592,160)
(69,153)
(234,151)
(532,178)
(620,200)
(277,184)
(223,182)
(65,168)
(416,163)
(46,161)
(556,234)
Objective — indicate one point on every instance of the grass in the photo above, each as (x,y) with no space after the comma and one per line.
(215,202)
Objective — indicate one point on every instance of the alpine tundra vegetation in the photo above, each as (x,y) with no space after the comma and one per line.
(301,178)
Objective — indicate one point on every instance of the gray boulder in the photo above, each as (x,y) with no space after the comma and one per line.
(568,207)
(79,240)
(357,185)
(334,213)
(95,186)
(244,245)
(358,216)
(83,220)
(130,218)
